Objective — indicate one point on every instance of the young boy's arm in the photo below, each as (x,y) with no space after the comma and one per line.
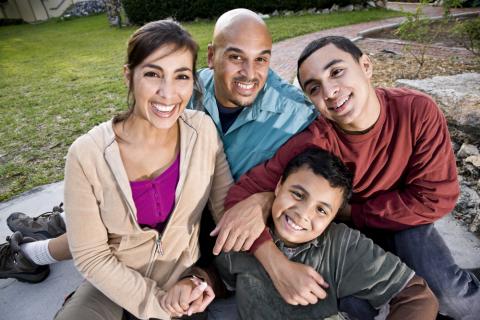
(415,301)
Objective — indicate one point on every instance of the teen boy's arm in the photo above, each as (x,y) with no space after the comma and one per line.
(297,283)
(428,188)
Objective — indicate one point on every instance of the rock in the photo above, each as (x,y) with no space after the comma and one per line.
(455,146)
(380,4)
(263,16)
(371,4)
(467,150)
(85,8)
(357,7)
(470,171)
(467,204)
(475,224)
(288,13)
(458,97)
(275,13)
(347,8)
(325,11)
(471,167)
(474,160)
(312,10)
(334,8)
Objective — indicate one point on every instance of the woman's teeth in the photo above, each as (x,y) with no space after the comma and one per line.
(163,108)
(293,224)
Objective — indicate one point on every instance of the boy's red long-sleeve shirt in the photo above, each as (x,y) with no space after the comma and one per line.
(404,167)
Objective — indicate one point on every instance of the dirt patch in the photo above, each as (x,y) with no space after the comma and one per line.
(440,31)
(444,56)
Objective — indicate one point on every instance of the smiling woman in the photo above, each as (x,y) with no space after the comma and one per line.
(135,187)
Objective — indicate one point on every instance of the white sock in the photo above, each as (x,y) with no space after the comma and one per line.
(62,214)
(37,251)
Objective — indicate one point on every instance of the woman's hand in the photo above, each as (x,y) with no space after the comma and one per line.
(187,296)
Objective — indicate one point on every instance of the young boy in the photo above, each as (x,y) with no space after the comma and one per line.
(314,186)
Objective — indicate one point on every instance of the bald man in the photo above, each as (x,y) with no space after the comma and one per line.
(254,110)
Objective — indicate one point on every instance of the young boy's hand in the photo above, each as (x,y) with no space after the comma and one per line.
(295,282)
(299,284)
(187,296)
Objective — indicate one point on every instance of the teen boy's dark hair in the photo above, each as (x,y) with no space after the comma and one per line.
(324,164)
(341,43)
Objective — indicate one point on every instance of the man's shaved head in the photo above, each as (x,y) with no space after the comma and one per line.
(238,20)
(240,57)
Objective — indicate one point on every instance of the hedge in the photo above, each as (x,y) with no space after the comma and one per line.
(142,11)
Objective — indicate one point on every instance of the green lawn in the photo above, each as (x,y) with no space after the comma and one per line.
(58,79)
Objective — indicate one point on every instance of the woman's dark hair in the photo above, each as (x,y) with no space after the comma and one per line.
(341,43)
(146,40)
(324,164)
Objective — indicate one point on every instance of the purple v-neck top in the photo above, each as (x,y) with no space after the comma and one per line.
(155,199)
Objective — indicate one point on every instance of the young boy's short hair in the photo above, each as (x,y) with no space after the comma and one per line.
(324,164)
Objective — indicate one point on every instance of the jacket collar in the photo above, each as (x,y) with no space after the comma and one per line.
(266,101)
(188,137)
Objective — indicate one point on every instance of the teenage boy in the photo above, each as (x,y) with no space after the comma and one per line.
(397,144)
(313,188)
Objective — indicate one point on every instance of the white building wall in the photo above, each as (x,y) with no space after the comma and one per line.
(34,10)
(25,9)
(9,11)
(57,7)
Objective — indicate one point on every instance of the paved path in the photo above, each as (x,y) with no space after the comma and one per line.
(19,301)
(285,53)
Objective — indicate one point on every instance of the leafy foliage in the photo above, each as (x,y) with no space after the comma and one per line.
(469,34)
(416,28)
(142,11)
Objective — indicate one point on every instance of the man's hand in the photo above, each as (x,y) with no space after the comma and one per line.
(242,224)
(295,282)
(186,297)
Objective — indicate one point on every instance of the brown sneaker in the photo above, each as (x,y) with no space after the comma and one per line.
(45,226)
(14,264)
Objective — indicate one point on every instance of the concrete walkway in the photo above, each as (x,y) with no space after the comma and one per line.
(20,301)
(285,53)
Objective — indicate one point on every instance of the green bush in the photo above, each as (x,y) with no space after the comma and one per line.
(142,11)
(8,22)
(468,32)
(416,28)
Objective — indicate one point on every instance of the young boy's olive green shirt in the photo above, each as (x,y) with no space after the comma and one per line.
(348,261)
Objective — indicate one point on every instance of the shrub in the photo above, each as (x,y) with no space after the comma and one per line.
(416,28)
(8,22)
(142,11)
(468,32)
